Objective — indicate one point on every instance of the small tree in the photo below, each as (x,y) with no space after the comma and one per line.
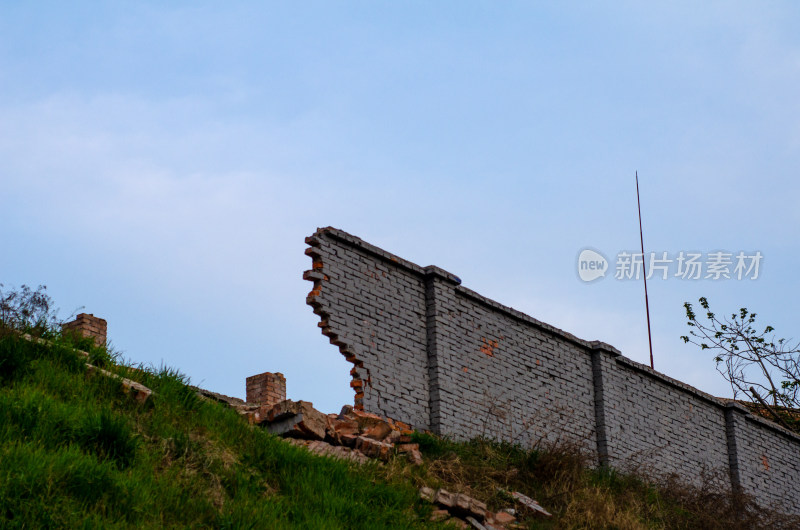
(747,358)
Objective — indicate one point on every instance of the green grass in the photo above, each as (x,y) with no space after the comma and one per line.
(76,452)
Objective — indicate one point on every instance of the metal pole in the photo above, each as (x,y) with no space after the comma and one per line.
(644,271)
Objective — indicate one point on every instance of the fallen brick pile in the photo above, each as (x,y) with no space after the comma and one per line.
(360,436)
(352,434)
(467,512)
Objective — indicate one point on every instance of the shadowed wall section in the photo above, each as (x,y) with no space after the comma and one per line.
(430,352)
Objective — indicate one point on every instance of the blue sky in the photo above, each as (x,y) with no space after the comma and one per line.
(161,164)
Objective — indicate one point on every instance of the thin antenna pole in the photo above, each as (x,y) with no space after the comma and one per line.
(644,270)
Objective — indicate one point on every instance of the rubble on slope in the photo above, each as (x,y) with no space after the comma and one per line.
(351,432)
(474,512)
(359,437)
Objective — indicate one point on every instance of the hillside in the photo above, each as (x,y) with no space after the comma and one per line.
(76,451)
(79,449)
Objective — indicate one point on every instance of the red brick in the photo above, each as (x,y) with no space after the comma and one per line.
(266,389)
(88,325)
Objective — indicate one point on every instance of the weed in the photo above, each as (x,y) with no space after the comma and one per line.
(27,311)
(108,436)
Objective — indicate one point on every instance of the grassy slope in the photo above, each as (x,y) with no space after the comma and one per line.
(76,452)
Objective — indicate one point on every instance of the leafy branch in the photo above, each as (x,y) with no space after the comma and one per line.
(747,357)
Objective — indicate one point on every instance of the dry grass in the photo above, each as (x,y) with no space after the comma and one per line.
(562,478)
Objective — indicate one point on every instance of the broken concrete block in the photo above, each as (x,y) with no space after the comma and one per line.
(348,440)
(374,448)
(415,457)
(461,502)
(439,515)
(297,427)
(444,498)
(475,524)
(286,408)
(427,494)
(393,437)
(477,508)
(345,426)
(326,449)
(457,504)
(336,428)
(378,431)
(138,391)
(503,518)
(466,505)
(296,419)
(365,420)
(258,416)
(530,503)
(343,453)
(405,448)
(232,402)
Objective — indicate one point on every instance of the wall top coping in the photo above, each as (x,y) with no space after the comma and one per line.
(430,270)
(735,405)
(519,315)
(720,402)
(639,367)
(771,425)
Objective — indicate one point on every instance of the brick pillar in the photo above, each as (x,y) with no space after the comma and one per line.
(603,356)
(734,424)
(439,286)
(266,388)
(87,325)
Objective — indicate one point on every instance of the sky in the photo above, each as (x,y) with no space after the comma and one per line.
(162,162)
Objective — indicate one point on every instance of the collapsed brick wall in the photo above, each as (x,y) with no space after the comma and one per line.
(386,333)
(430,352)
(265,389)
(88,325)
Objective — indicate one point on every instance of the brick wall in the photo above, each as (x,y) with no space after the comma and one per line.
(375,313)
(767,461)
(498,373)
(660,423)
(88,325)
(266,389)
(430,352)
